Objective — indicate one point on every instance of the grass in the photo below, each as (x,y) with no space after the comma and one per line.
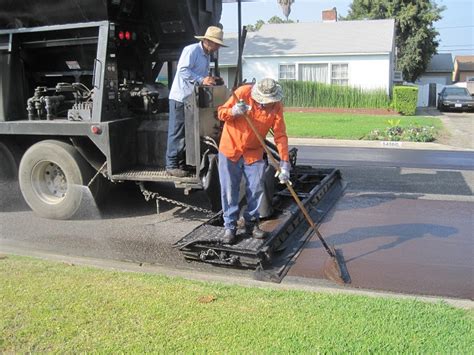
(346,126)
(56,307)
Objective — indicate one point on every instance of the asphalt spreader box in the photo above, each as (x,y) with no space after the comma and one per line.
(286,227)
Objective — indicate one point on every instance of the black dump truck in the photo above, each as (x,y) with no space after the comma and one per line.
(80,106)
(78,95)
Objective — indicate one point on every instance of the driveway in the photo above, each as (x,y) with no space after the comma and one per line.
(459,126)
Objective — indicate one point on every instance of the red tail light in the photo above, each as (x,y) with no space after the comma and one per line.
(96,129)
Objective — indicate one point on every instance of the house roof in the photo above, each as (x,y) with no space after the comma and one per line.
(440,63)
(317,38)
(465,62)
(228,55)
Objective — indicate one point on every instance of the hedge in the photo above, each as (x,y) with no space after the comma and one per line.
(405,99)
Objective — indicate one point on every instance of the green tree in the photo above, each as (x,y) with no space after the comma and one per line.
(260,23)
(415,36)
(276,19)
(256,27)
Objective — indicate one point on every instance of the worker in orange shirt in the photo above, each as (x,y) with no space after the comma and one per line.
(241,154)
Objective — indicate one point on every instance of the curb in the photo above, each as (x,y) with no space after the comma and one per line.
(373,144)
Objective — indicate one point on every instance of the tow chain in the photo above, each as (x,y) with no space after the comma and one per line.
(149,195)
(97,174)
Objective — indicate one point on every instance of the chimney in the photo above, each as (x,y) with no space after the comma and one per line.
(330,15)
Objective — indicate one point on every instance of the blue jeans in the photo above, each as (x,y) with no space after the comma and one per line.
(230,175)
(176,140)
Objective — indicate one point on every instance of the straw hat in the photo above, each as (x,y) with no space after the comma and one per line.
(267,91)
(214,34)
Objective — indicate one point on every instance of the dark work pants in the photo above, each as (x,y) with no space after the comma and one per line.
(176,141)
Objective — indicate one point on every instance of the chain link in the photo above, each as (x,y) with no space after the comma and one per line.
(97,174)
(149,195)
(154,195)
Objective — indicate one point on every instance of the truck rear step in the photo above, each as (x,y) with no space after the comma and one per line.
(152,174)
(288,230)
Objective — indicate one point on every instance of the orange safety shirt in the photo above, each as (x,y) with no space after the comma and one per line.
(238,139)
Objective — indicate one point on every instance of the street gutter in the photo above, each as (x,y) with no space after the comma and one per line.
(289,283)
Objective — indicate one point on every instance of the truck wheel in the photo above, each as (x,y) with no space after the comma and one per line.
(52,175)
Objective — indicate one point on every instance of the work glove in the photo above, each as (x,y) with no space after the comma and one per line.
(239,108)
(284,173)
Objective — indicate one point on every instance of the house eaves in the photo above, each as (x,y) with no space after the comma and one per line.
(315,55)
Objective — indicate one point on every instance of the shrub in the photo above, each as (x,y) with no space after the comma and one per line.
(397,133)
(419,134)
(405,99)
(312,94)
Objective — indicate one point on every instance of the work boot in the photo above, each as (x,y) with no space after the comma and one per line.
(187,168)
(254,230)
(229,236)
(176,172)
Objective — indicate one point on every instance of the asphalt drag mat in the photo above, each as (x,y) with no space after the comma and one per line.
(404,244)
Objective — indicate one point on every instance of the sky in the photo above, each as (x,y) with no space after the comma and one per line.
(456,28)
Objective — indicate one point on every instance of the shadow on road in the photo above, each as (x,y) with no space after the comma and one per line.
(402,233)
(126,201)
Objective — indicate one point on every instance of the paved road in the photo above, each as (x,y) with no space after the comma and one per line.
(129,229)
(416,200)
(409,242)
(383,157)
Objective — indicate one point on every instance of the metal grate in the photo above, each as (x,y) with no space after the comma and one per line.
(151,174)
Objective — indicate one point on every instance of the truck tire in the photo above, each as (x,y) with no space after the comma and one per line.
(52,174)
(9,161)
(10,156)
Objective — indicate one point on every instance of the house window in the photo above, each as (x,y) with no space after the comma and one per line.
(339,74)
(287,72)
(314,72)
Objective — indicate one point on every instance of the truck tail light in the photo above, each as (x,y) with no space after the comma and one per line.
(95,129)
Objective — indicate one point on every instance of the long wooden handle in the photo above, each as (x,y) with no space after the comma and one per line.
(276,165)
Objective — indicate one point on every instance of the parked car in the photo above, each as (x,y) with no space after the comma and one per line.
(455,98)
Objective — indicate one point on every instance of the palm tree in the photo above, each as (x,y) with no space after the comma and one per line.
(286,6)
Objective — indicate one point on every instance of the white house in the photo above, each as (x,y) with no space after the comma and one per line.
(354,53)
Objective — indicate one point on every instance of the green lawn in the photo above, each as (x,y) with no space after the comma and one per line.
(56,307)
(346,126)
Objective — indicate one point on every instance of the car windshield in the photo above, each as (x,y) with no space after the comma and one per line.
(455,91)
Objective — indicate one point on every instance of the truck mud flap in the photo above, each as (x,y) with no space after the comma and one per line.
(288,231)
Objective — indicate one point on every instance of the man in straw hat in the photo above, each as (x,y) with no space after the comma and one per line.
(192,69)
(241,154)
